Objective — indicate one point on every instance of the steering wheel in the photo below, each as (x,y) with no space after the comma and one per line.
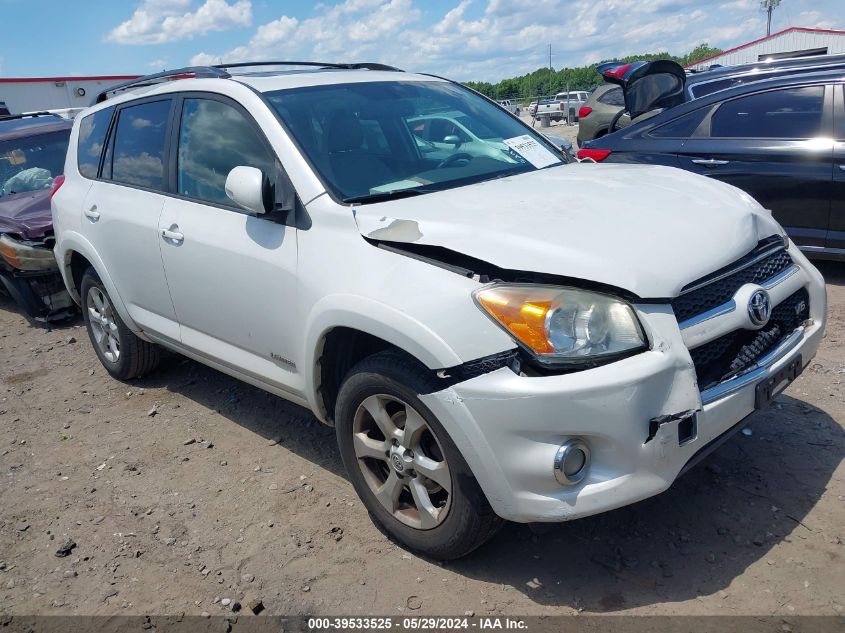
(454,158)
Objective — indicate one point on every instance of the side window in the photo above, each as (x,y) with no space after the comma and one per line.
(214,138)
(791,113)
(613,97)
(139,141)
(441,128)
(682,127)
(92,137)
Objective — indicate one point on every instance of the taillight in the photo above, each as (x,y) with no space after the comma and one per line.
(58,181)
(561,105)
(617,72)
(584,111)
(596,154)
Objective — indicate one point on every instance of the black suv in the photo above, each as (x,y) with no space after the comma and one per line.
(782,140)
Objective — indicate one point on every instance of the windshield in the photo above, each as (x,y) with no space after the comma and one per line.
(369,141)
(30,163)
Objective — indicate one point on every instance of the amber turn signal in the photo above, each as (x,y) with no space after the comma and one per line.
(523,316)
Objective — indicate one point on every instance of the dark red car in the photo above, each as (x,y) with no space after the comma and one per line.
(32,155)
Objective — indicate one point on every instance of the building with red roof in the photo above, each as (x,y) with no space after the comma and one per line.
(29,94)
(792,42)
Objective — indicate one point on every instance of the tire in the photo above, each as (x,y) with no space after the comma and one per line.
(123,354)
(459,519)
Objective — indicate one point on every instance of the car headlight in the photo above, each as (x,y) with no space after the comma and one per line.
(25,256)
(563,326)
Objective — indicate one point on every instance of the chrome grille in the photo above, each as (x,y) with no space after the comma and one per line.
(737,351)
(767,260)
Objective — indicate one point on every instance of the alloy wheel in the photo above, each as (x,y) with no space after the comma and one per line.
(101,318)
(402,461)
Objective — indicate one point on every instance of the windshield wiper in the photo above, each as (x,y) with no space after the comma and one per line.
(396,194)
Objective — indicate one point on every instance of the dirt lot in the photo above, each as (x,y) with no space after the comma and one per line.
(559,128)
(189,487)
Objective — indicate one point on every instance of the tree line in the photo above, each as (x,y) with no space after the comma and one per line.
(543,82)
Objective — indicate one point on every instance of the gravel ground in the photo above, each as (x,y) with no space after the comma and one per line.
(560,129)
(188,490)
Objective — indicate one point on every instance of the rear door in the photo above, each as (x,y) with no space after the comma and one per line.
(836,229)
(660,145)
(122,209)
(775,145)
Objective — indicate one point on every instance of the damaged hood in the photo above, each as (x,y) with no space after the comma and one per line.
(646,229)
(26,214)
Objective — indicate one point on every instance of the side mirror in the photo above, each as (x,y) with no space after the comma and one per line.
(452,139)
(248,188)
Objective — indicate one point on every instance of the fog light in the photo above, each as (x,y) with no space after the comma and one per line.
(572,461)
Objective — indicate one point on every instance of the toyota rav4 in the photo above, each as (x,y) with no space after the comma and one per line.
(494,332)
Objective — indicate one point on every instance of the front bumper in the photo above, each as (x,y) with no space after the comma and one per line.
(40,294)
(509,427)
(30,275)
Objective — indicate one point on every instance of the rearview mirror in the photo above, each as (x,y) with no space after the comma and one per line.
(248,188)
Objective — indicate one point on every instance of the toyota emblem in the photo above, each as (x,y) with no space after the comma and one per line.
(759,308)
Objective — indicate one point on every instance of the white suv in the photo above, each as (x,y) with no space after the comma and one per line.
(495,333)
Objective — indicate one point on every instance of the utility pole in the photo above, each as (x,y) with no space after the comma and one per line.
(551,92)
(768,6)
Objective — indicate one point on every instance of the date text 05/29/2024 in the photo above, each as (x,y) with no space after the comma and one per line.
(417,624)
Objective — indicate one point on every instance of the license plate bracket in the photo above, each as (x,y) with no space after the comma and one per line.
(771,386)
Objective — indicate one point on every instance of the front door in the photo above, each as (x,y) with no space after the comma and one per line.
(772,145)
(232,275)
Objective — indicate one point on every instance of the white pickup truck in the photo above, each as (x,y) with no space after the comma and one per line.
(511,106)
(556,108)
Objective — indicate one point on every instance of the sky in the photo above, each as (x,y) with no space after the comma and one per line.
(462,39)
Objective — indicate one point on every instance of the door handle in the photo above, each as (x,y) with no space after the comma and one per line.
(92,213)
(173,234)
(709,162)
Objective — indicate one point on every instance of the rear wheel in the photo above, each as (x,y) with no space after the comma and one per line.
(407,471)
(124,355)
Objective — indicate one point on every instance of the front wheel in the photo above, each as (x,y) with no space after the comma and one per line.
(123,354)
(407,471)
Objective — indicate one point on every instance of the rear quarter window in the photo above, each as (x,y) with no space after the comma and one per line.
(92,137)
(613,97)
(682,127)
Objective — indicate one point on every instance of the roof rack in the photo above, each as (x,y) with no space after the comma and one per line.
(218,71)
(9,117)
(191,72)
(355,66)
